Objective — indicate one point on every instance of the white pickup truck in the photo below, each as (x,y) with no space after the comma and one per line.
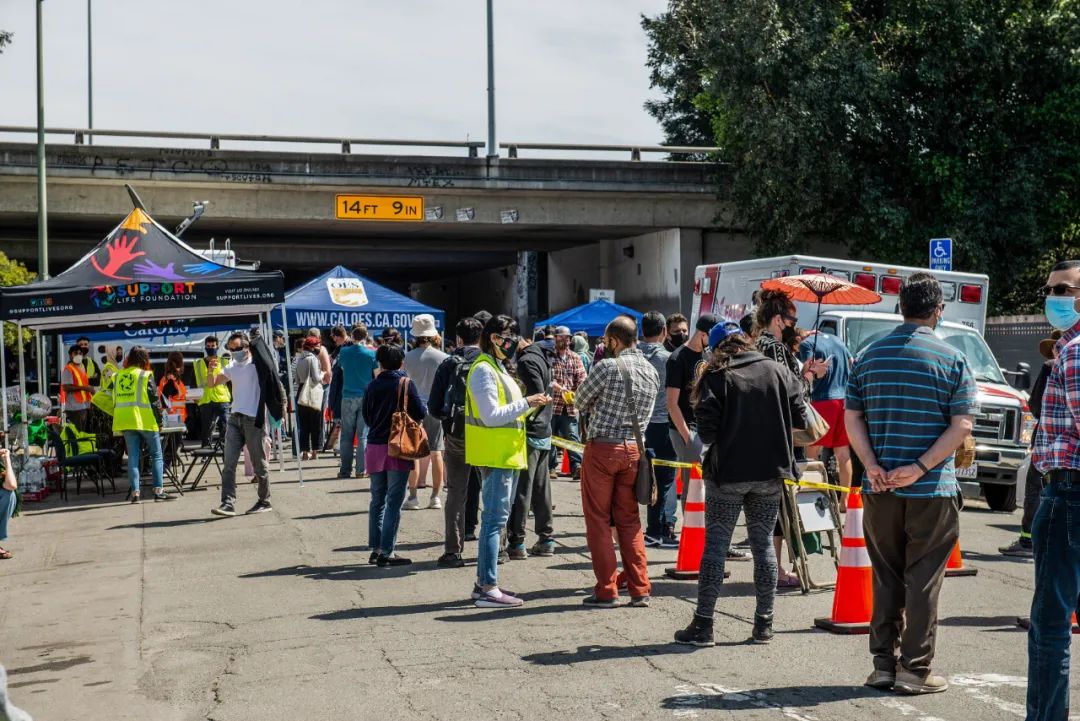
(1004,425)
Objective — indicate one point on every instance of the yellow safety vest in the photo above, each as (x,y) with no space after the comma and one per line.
(107,373)
(131,400)
(499,446)
(217,394)
(90,366)
(103,400)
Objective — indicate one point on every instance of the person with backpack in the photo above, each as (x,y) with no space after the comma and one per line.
(447,403)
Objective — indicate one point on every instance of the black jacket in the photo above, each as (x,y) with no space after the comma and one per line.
(381,401)
(437,396)
(534,371)
(271,396)
(745,414)
(1038,389)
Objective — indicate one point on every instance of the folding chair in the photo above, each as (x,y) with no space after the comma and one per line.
(809,510)
(214,453)
(87,443)
(82,466)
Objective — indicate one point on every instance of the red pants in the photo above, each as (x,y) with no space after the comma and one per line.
(607,492)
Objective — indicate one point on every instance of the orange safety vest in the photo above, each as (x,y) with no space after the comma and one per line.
(81,379)
(177,403)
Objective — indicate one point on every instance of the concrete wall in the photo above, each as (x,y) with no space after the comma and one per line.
(490,290)
(570,275)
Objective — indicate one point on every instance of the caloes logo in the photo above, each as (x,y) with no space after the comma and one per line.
(348,292)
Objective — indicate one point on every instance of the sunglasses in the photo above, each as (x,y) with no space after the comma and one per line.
(791,318)
(1058,289)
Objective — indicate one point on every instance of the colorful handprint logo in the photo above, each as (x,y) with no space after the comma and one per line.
(121,252)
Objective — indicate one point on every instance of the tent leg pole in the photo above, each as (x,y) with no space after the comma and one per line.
(25,438)
(4,379)
(292,395)
(275,439)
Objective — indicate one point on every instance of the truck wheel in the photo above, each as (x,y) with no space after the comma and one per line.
(1000,498)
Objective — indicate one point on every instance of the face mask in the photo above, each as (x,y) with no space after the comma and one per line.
(1061,311)
(211,350)
(508,346)
(120,357)
(678,339)
(241,356)
(76,359)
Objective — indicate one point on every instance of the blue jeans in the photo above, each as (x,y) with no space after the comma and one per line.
(7,507)
(566,427)
(352,425)
(496,494)
(384,512)
(662,515)
(134,441)
(1055,533)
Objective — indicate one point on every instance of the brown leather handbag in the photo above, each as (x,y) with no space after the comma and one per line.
(408,439)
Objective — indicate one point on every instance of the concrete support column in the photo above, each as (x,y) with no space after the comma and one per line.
(524,301)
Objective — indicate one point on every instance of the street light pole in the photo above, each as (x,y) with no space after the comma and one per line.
(42,231)
(492,146)
(89,71)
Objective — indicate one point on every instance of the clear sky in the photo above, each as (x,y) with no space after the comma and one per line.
(566,70)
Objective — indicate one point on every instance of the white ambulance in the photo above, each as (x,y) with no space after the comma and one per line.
(1004,426)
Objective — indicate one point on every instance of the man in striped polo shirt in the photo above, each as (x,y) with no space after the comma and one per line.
(910,401)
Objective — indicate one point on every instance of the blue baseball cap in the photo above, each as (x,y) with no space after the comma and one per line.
(723,331)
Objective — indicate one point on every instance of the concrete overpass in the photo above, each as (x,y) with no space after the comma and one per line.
(526,234)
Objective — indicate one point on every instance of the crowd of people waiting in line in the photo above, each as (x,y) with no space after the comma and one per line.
(727,395)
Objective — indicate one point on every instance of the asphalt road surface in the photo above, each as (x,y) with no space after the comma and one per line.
(161,611)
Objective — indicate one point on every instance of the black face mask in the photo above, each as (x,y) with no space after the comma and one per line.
(211,350)
(678,339)
(509,345)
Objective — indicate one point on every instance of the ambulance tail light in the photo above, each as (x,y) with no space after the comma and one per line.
(890,285)
(971,294)
(865,280)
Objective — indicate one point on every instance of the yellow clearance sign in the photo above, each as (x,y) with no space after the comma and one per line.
(408,208)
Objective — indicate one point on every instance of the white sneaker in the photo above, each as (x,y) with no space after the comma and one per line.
(435,502)
(411,504)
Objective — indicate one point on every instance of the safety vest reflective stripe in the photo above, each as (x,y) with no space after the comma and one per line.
(493,446)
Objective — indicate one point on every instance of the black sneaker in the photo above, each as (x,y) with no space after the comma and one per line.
(1018,549)
(163,496)
(225,509)
(576,474)
(698,633)
(669,540)
(470,536)
(593,602)
(260,506)
(652,541)
(762,632)
(394,560)
(374,557)
(450,560)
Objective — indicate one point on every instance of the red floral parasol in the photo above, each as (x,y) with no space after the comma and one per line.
(821,288)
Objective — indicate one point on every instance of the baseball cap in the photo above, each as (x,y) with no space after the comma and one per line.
(562,330)
(722,331)
(706,322)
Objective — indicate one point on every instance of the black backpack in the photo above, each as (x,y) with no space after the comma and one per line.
(454,404)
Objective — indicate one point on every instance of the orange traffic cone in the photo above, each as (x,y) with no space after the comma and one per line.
(853,600)
(678,482)
(692,541)
(956,567)
(565,470)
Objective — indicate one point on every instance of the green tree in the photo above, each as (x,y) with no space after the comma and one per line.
(882,125)
(12,272)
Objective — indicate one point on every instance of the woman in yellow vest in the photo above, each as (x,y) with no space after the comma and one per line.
(171,388)
(495,443)
(137,414)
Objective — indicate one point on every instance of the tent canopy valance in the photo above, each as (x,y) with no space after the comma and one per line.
(593,318)
(343,297)
(140,271)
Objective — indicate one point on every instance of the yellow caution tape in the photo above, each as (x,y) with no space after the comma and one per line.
(673,464)
(820,486)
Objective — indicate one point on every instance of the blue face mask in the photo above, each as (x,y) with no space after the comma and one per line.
(1061,311)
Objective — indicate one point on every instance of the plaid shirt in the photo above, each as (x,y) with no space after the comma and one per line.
(569,372)
(603,396)
(1057,442)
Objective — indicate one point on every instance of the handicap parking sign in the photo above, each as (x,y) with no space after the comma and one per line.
(941,254)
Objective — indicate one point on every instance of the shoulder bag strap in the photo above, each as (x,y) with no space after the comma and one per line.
(629,386)
(403,385)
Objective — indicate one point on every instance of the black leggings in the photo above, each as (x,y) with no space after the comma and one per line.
(310,422)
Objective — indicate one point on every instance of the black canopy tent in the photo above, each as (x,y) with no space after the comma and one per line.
(139,272)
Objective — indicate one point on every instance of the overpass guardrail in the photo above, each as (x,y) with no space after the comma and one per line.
(82,136)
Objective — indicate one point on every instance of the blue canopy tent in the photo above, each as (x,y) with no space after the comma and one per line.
(592,318)
(342,297)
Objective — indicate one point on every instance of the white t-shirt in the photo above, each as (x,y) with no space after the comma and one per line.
(421,363)
(245,387)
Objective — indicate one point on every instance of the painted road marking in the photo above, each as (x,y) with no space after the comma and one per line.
(693,697)
(907,709)
(976,685)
